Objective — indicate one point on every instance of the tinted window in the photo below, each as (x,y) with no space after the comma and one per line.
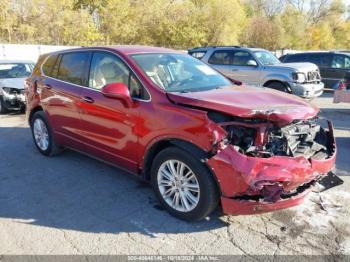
(221,57)
(341,61)
(49,64)
(295,58)
(320,59)
(72,67)
(107,68)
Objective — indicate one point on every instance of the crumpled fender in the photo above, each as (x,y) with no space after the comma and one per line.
(239,174)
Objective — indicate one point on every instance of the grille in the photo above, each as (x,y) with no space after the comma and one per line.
(313,76)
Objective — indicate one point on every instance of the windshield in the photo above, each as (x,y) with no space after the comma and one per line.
(266,58)
(15,70)
(179,73)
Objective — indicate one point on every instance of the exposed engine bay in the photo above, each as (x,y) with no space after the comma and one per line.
(308,138)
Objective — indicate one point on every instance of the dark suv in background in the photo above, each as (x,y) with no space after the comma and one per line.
(333,65)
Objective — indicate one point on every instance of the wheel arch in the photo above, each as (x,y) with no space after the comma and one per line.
(187,146)
(32,112)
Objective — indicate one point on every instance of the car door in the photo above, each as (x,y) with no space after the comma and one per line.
(340,65)
(324,61)
(60,89)
(109,125)
(245,68)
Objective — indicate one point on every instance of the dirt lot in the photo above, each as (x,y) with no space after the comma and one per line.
(72,204)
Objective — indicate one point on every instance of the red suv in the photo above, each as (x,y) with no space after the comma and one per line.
(199,139)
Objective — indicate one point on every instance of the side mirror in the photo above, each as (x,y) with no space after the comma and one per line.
(118,91)
(252,63)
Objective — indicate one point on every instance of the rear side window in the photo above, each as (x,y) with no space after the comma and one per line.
(49,65)
(320,59)
(198,54)
(73,67)
(221,57)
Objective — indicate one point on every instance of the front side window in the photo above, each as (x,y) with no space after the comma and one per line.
(221,57)
(242,58)
(107,68)
(72,67)
(266,58)
(15,70)
(179,73)
(341,62)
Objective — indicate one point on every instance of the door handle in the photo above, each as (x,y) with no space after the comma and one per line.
(88,99)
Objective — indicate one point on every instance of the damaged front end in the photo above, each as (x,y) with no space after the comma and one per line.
(262,166)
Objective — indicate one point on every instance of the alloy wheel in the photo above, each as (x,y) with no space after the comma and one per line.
(41,134)
(178,185)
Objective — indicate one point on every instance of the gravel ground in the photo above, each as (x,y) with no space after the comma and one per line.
(72,204)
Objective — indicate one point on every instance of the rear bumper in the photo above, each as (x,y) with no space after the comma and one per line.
(307,90)
(248,184)
(341,96)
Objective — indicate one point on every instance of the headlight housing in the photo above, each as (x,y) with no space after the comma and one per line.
(299,77)
(6,89)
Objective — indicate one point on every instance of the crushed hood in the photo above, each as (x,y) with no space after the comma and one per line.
(249,102)
(12,82)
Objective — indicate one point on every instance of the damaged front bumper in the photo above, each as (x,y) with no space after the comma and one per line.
(254,185)
(13,98)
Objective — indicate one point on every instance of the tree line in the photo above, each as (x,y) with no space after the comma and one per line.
(270,24)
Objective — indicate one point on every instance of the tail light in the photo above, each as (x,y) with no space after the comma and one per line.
(342,85)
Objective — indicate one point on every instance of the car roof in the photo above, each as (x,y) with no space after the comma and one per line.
(319,52)
(16,62)
(199,49)
(124,49)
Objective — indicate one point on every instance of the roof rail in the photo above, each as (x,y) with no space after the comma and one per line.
(215,46)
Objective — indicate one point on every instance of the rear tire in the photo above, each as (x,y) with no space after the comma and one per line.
(43,135)
(3,108)
(183,185)
(279,87)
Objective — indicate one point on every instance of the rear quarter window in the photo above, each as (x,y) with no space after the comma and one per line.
(49,64)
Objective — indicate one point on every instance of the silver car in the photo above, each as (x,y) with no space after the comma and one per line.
(12,76)
(259,67)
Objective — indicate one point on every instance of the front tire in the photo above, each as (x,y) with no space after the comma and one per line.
(183,185)
(43,136)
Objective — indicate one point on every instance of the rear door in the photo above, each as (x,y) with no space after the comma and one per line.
(110,128)
(61,88)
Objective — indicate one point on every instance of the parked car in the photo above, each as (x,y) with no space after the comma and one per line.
(12,75)
(333,65)
(173,120)
(342,93)
(260,67)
